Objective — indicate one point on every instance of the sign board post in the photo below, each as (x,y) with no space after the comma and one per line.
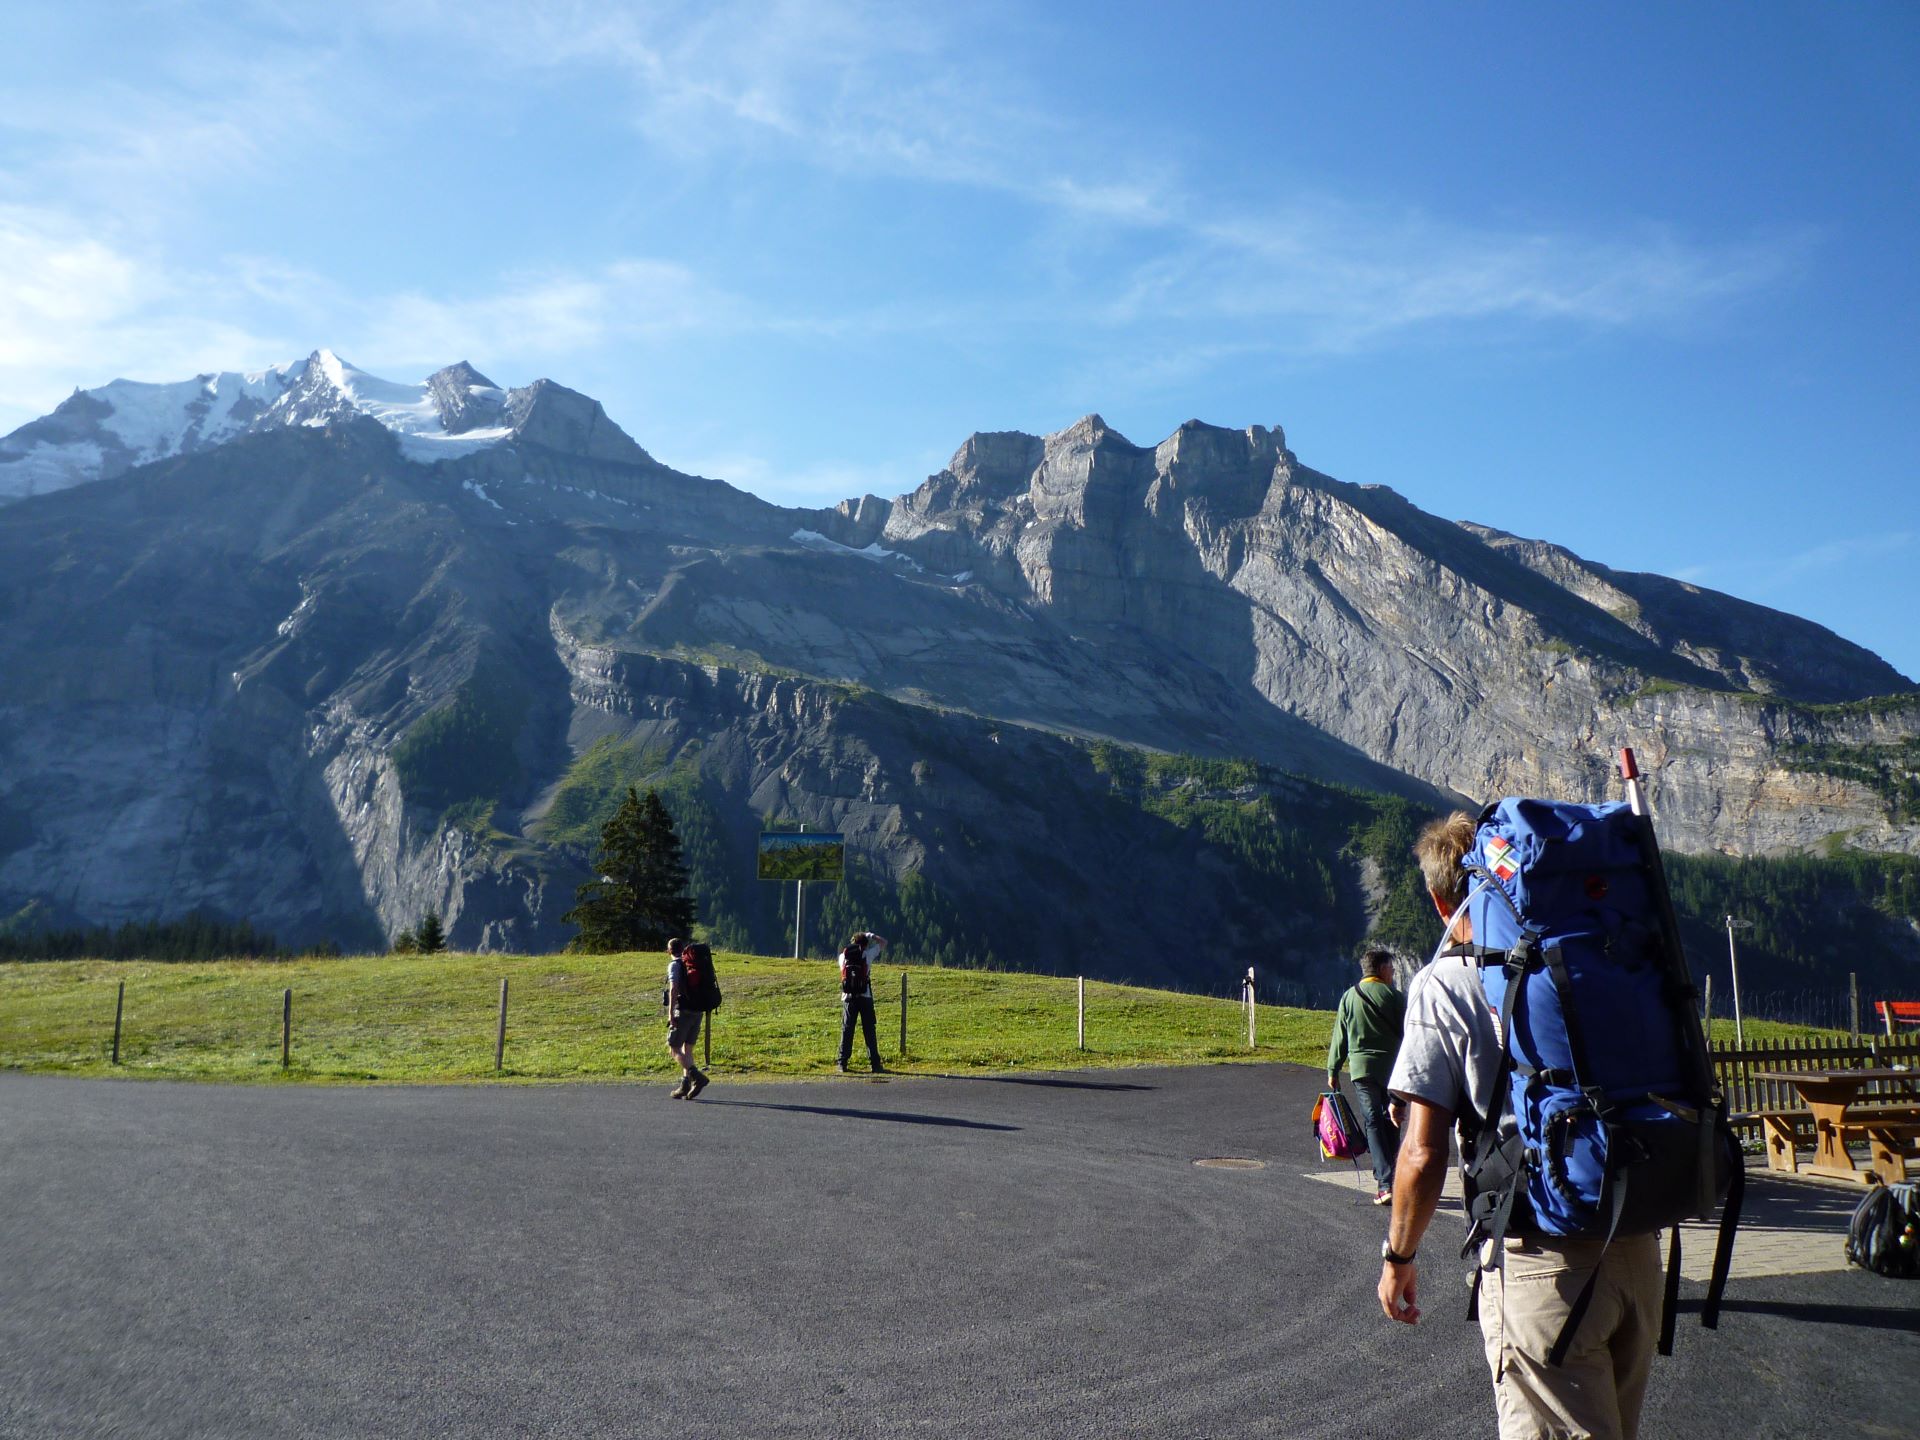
(800,856)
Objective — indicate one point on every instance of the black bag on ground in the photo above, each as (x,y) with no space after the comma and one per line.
(1884,1236)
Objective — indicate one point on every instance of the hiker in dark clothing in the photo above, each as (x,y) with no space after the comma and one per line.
(1366,1038)
(683,1023)
(856,995)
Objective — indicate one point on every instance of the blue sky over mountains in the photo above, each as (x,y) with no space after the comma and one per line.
(1641,285)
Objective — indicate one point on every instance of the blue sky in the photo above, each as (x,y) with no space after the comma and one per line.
(1643,285)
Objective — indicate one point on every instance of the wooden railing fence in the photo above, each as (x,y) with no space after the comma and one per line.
(1733,1066)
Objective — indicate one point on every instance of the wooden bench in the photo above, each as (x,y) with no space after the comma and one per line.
(1891,1133)
(1783,1131)
(1897,1012)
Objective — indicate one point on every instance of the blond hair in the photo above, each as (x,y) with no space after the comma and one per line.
(1439,849)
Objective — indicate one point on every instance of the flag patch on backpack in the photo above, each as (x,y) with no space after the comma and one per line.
(1500,859)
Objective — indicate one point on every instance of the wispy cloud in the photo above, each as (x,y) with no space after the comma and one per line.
(74,295)
(553,314)
(1129,248)
(892,88)
(1761,575)
(147,153)
(805,484)
(1350,278)
(880,90)
(1833,554)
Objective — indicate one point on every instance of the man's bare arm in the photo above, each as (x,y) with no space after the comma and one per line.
(1417,1178)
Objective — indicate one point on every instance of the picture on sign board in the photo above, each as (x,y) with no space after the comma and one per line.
(801,856)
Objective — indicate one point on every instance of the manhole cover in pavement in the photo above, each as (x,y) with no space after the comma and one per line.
(1230,1162)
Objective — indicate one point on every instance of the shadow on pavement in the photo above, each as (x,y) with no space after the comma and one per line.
(898,1116)
(1858,1316)
(1044,1080)
(1789,1203)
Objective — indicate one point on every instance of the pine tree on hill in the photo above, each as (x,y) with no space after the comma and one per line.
(430,939)
(639,900)
(405,943)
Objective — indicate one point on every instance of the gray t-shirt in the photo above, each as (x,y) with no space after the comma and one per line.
(1450,1051)
(676,975)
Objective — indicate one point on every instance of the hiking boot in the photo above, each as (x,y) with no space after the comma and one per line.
(878,1068)
(843,1067)
(1383,1196)
(699,1084)
(679,1092)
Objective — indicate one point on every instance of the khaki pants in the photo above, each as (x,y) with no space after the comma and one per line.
(1596,1394)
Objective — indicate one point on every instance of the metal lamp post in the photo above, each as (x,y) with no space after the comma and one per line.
(1733,961)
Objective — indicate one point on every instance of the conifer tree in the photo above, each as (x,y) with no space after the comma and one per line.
(405,943)
(430,939)
(640,899)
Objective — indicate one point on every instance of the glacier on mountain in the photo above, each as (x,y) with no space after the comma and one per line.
(96,434)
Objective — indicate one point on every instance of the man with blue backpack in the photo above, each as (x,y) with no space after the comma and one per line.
(1557,1027)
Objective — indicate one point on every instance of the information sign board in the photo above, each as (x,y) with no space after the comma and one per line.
(803,855)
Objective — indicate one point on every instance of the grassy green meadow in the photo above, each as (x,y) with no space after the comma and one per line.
(431,1019)
(591,1017)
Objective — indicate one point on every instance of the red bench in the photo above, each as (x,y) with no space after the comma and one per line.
(1897,1012)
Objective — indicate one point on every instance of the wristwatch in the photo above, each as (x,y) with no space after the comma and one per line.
(1388,1254)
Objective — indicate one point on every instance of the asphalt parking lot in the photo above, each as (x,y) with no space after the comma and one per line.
(1022,1255)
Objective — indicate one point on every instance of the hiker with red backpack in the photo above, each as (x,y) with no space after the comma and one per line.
(689,979)
(856,996)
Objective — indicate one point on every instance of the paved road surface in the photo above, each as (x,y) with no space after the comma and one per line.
(1025,1256)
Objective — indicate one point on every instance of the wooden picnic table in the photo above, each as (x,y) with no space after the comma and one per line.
(1888,1129)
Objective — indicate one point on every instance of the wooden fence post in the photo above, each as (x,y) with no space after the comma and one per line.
(286,1027)
(1853,1001)
(1250,1007)
(1083,1012)
(706,1040)
(1886,1013)
(903,1013)
(119,1004)
(500,1036)
(1706,1007)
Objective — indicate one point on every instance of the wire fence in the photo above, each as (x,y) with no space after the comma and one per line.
(569,1016)
(1818,1009)
(1302,995)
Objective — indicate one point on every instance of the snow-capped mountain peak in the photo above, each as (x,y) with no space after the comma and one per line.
(95,434)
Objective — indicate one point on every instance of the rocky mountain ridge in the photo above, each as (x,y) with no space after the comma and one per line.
(315,674)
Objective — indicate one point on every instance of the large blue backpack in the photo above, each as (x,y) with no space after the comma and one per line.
(1606,1120)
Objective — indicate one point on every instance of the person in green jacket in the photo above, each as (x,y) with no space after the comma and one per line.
(1366,1038)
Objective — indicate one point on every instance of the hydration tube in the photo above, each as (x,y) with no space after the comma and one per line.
(1446,935)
